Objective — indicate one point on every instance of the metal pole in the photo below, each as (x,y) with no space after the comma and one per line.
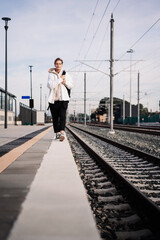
(108,105)
(31,79)
(111,75)
(75,111)
(45,103)
(130,112)
(40,97)
(6,77)
(31,92)
(74,115)
(15,111)
(6,19)
(130,107)
(138,102)
(85,99)
(123,109)
(45,107)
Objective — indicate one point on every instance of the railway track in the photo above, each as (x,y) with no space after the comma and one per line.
(143,129)
(157,127)
(136,179)
(142,142)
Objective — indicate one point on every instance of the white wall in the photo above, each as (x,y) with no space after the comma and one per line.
(10,116)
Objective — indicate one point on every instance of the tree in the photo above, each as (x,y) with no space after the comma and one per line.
(143,111)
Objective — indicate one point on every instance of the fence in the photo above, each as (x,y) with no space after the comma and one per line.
(143,119)
(25,114)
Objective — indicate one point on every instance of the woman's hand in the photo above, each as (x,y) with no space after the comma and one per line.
(63,77)
(64,81)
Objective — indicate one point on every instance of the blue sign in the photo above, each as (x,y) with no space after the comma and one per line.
(25,97)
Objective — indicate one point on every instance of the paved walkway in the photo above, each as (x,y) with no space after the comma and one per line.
(13,132)
(56,206)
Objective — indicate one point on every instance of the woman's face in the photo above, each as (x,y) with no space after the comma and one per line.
(58,65)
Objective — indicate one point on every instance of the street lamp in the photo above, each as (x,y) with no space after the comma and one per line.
(6,19)
(31,100)
(40,97)
(130,51)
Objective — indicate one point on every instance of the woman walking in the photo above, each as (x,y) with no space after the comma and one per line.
(59,83)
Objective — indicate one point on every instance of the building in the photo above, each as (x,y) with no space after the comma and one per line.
(11,102)
(102,113)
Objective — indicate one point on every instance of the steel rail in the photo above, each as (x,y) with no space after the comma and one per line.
(134,151)
(143,205)
(144,130)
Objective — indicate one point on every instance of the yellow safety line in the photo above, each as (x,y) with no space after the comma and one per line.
(11,156)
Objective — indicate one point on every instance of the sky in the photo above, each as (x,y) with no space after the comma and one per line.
(42,30)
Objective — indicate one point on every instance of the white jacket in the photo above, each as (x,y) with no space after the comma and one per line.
(57,90)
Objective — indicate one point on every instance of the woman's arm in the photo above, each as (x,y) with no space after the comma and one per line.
(53,81)
(68,81)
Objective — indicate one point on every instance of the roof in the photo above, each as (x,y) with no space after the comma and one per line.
(10,94)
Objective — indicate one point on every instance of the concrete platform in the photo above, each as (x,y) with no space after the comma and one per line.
(16,179)
(56,207)
(13,132)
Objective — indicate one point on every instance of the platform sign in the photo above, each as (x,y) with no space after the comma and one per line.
(25,97)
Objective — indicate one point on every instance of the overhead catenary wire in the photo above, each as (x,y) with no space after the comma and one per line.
(150,54)
(116,6)
(136,42)
(140,37)
(73,67)
(134,64)
(101,44)
(150,64)
(99,22)
(150,69)
(98,52)
(97,29)
(94,68)
(124,69)
(145,33)
(84,39)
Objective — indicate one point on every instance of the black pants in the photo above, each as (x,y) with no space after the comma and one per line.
(58,111)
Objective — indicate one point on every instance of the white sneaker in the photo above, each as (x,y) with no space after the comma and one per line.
(58,136)
(62,137)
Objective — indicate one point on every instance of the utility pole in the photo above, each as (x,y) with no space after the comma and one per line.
(130,51)
(40,97)
(85,99)
(89,112)
(31,99)
(46,103)
(138,102)
(45,108)
(75,111)
(123,109)
(6,19)
(15,111)
(111,75)
(108,113)
(74,114)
